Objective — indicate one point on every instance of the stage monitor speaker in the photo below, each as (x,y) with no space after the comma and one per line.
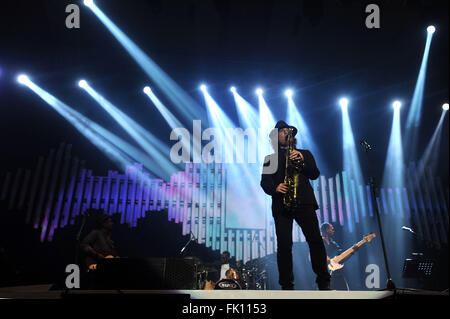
(145,273)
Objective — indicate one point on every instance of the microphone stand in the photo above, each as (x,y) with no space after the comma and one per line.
(373,187)
(77,238)
(187,244)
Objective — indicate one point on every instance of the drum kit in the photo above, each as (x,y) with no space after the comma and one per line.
(246,277)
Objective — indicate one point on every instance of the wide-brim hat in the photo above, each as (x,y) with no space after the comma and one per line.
(281,125)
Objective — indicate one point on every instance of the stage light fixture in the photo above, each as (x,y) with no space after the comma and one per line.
(82,84)
(88,3)
(288,93)
(431,29)
(22,79)
(203,87)
(343,102)
(397,105)
(147,90)
(445,107)
(259,91)
(233,89)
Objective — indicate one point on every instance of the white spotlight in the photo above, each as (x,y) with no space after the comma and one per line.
(147,90)
(259,91)
(233,89)
(343,102)
(431,29)
(397,105)
(445,107)
(23,79)
(88,3)
(203,87)
(288,93)
(82,84)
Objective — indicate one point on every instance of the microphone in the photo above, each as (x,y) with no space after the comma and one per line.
(365,144)
(408,229)
(191,237)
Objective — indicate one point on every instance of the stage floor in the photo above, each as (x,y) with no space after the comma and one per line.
(280,294)
(44,292)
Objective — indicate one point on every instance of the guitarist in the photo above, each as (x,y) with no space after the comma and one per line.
(98,244)
(338,281)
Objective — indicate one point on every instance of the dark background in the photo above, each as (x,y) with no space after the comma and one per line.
(321,49)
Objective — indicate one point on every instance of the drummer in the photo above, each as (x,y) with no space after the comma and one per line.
(228,267)
(221,269)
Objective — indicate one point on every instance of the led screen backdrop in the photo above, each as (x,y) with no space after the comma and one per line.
(205,202)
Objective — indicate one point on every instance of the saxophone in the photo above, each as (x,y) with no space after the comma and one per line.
(292,174)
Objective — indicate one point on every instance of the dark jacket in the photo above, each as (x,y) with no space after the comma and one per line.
(98,242)
(270,181)
(333,249)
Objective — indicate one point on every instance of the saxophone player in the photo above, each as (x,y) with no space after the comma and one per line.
(293,199)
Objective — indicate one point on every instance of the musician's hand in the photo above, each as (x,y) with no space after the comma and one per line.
(296,155)
(282,188)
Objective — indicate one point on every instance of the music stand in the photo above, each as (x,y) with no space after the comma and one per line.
(418,268)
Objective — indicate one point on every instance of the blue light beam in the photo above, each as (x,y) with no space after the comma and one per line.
(352,166)
(115,148)
(266,123)
(187,106)
(146,140)
(431,154)
(244,192)
(415,110)
(393,175)
(304,138)
(166,114)
(248,116)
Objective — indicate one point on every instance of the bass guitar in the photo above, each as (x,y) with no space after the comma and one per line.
(336,262)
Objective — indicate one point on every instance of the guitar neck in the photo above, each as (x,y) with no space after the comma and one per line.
(348,252)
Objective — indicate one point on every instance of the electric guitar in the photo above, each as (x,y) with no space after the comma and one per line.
(335,263)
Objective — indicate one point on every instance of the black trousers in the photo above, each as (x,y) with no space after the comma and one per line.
(306,218)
